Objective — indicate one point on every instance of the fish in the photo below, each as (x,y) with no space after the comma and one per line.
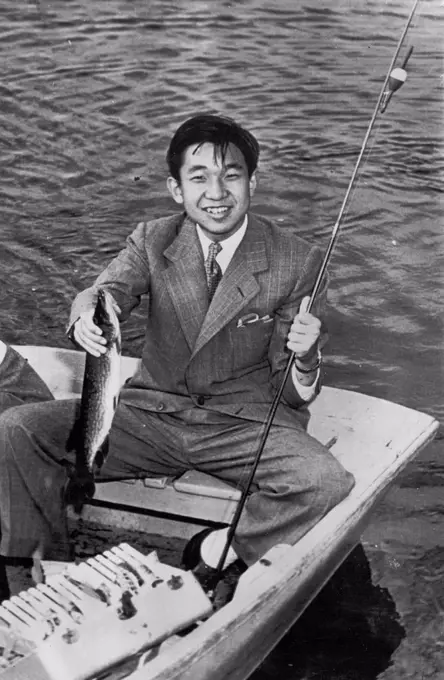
(100,394)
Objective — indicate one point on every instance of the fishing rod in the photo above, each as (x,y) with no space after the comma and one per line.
(394,79)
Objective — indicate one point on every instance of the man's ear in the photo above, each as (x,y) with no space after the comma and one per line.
(175,189)
(253,183)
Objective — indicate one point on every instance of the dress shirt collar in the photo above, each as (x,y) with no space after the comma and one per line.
(229,245)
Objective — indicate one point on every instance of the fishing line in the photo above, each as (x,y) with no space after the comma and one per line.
(361,172)
(390,85)
(375,136)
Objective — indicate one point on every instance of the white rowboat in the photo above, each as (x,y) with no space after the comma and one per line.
(373,438)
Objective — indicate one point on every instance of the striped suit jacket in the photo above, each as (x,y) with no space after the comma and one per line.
(227,357)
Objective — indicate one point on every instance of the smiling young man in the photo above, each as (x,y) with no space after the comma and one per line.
(227,297)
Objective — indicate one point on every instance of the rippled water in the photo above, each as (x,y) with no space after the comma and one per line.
(90,94)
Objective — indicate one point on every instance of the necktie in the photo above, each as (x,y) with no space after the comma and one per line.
(212,268)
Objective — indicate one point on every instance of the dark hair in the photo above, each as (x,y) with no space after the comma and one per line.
(218,130)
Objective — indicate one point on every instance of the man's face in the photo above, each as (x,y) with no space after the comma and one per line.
(216,195)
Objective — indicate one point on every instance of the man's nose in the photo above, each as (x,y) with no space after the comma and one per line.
(216,189)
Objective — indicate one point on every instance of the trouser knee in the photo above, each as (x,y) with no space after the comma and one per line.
(12,422)
(336,486)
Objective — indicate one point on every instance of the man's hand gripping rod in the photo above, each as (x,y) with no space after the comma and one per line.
(393,81)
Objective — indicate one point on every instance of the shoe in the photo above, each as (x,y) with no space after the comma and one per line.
(226,587)
(220,585)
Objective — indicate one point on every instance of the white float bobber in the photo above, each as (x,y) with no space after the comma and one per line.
(397,78)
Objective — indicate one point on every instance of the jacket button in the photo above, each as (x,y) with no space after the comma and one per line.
(160,406)
(201,400)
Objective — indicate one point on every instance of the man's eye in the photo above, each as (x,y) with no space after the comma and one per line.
(232,175)
(198,178)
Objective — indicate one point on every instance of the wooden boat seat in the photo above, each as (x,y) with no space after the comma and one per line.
(194,496)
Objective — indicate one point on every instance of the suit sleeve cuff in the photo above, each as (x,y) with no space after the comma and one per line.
(306,392)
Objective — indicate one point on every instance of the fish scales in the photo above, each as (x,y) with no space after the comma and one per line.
(101,388)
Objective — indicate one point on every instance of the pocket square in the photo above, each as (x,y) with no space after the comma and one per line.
(253,318)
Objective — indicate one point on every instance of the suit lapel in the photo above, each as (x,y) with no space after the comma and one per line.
(238,285)
(186,282)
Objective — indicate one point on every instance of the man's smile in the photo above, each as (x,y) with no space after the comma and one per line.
(217,211)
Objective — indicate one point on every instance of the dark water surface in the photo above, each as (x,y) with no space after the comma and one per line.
(91,92)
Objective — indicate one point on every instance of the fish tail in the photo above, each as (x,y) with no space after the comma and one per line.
(79,489)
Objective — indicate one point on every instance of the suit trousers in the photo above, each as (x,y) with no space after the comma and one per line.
(297,481)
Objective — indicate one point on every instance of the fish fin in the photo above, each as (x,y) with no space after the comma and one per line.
(102,453)
(79,488)
(119,344)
